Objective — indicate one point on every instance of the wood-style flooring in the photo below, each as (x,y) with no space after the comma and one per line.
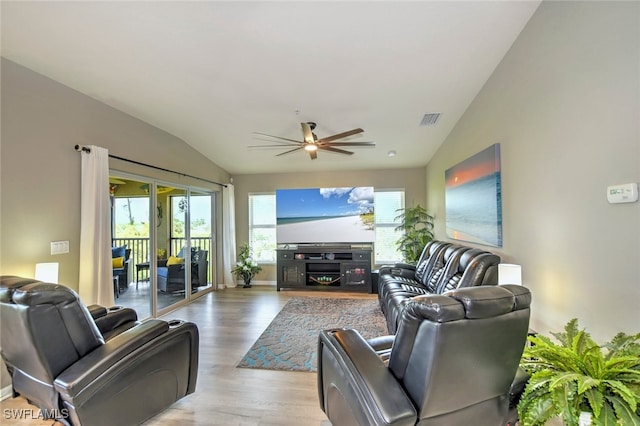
(229,322)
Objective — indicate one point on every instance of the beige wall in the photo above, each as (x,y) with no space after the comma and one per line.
(564,105)
(42,120)
(411,180)
(40,171)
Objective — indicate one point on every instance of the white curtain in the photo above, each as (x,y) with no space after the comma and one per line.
(228,234)
(96,269)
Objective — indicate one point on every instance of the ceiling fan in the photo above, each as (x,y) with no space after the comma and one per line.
(312,144)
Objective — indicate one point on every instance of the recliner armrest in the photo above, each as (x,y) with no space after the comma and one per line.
(155,357)
(371,390)
(382,345)
(97,311)
(398,269)
(89,367)
(117,320)
(114,320)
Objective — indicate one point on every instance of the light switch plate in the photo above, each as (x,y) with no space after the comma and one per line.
(59,247)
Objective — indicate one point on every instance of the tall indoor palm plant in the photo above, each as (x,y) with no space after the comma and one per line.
(577,375)
(417,227)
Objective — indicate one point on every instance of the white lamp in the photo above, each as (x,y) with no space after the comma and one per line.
(509,273)
(47,272)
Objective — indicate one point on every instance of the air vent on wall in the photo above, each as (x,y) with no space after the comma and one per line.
(430,119)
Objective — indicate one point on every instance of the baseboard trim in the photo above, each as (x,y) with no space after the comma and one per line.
(6,393)
(257,283)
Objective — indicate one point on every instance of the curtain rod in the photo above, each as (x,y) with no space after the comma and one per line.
(81,148)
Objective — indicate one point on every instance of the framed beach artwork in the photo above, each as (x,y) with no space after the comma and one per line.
(473,201)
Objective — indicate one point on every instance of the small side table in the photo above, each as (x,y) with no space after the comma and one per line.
(145,266)
(140,267)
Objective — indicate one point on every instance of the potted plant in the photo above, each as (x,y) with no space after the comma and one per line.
(577,376)
(246,268)
(417,226)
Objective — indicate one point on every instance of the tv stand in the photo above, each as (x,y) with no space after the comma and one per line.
(344,267)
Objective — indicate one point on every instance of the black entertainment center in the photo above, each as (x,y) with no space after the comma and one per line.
(344,267)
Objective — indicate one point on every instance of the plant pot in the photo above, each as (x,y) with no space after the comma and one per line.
(585,419)
(247,283)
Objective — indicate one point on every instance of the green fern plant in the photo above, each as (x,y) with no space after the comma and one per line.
(577,375)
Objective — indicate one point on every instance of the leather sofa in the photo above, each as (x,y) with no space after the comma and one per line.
(442,267)
(452,362)
(92,366)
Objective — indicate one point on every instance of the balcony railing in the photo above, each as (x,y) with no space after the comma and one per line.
(140,247)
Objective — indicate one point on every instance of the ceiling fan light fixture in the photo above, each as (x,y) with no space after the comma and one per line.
(312,144)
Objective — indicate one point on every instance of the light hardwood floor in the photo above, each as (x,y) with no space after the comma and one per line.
(229,322)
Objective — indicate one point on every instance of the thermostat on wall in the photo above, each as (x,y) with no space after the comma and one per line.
(626,193)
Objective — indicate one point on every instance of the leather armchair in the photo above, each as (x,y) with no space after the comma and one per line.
(452,362)
(60,360)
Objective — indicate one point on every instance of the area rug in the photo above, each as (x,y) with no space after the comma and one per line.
(290,341)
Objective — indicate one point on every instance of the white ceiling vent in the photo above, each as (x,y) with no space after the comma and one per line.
(430,119)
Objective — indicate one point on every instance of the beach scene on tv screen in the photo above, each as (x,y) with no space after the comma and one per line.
(325,215)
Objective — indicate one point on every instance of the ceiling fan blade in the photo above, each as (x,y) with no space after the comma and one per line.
(272,146)
(349,144)
(279,137)
(287,152)
(313,154)
(341,151)
(341,135)
(307,133)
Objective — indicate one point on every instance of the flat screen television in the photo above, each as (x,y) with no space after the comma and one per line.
(325,215)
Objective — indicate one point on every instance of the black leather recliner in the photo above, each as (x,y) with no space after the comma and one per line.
(459,267)
(402,275)
(452,362)
(92,366)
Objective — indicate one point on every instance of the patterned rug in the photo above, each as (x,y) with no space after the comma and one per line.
(290,341)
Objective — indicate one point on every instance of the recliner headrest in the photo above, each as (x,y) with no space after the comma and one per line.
(484,302)
(451,250)
(80,326)
(38,293)
(10,283)
(471,303)
(468,256)
(436,246)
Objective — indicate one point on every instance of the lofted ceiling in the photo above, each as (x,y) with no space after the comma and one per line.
(212,73)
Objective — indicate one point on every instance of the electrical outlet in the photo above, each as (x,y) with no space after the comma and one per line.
(59,247)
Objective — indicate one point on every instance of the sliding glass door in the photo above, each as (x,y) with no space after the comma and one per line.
(131,231)
(167,230)
(201,238)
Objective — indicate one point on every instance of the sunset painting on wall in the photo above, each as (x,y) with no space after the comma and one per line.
(473,199)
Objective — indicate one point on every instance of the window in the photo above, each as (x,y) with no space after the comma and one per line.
(262,227)
(130,217)
(386,205)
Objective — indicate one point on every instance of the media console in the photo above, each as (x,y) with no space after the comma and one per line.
(325,267)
